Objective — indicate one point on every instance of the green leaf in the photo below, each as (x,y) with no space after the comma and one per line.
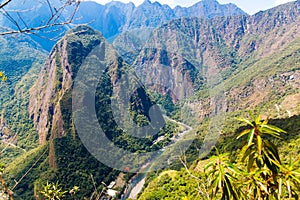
(210,164)
(272,150)
(248,152)
(245,120)
(250,137)
(259,144)
(244,132)
(271,133)
(274,128)
(250,163)
(266,121)
(257,120)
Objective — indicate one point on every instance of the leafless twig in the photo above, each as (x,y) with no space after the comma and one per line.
(201,188)
(5,3)
(55,18)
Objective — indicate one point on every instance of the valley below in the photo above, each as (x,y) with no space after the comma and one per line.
(124,101)
(136,183)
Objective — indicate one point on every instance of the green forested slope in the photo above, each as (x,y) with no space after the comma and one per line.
(20,60)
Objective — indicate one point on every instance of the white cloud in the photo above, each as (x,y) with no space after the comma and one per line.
(279,2)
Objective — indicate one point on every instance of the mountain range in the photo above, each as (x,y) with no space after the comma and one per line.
(201,63)
(113,18)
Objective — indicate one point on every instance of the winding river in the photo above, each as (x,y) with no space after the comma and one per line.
(136,183)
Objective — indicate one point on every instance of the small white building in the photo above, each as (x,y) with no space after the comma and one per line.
(112,193)
(111,185)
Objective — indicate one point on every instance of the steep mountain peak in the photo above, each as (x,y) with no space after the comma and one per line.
(51,97)
(146,2)
(275,17)
(56,77)
(209,1)
(205,3)
(208,9)
(83,30)
(149,15)
(119,4)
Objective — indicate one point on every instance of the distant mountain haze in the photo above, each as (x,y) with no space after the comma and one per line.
(115,17)
(249,6)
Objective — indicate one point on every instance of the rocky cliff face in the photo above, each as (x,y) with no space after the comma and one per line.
(148,16)
(184,55)
(51,97)
(180,55)
(55,79)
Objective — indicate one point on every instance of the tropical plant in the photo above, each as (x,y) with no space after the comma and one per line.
(259,150)
(222,177)
(53,191)
(265,174)
(260,174)
(289,178)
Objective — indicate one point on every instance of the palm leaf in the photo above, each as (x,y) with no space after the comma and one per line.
(245,120)
(244,132)
(251,136)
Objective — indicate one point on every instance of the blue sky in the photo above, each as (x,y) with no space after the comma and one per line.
(249,6)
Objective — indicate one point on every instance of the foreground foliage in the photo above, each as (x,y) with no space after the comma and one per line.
(260,174)
(53,191)
(257,172)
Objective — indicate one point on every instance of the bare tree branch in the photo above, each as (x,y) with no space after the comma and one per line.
(55,18)
(25,24)
(5,3)
(202,190)
(10,18)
